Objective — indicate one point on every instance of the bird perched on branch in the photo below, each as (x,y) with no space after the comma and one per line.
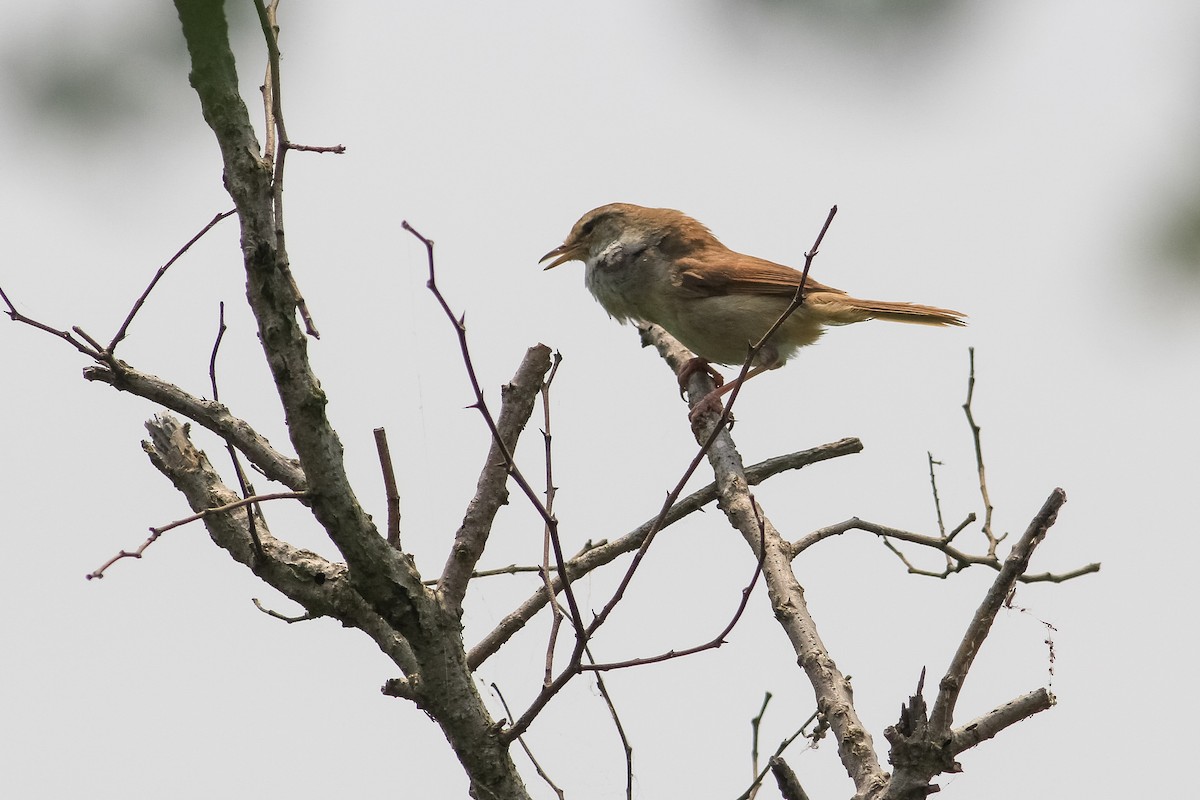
(661,266)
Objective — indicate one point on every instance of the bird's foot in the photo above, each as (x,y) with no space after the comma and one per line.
(711,402)
(694,365)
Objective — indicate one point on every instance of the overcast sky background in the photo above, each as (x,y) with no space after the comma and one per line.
(1032,164)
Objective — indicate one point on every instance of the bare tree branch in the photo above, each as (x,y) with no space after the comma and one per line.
(605,552)
(203,513)
(385,578)
(923,744)
(1014,566)
(992,539)
(554,787)
(322,587)
(787,597)
(958,560)
(491,491)
(210,414)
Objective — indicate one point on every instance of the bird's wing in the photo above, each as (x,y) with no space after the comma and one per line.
(713,273)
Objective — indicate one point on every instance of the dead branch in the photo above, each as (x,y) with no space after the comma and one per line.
(958,559)
(923,744)
(992,539)
(157,532)
(391,491)
(787,598)
(605,552)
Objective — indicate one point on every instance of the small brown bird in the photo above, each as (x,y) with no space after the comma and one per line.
(659,265)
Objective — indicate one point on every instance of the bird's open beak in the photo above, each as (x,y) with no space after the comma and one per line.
(562,254)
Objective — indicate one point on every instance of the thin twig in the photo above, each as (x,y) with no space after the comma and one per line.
(937,503)
(481,405)
(594,556)
(959,560)
(626,747)
(137,306)
(756,348)
(755,724)
(16,316)
(556,615)
(719,639)
(529,753)
(244,484)
(210,414)
(992,540)
(157,532)
(338,149)
(305,617)
(750,791)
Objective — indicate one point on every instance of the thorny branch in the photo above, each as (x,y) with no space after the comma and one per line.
(556,615)
(756,347)
(453,585)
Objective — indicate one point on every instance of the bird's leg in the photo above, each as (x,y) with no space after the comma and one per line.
(712,400)
(697,364)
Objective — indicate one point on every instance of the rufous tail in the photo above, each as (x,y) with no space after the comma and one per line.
(842,310)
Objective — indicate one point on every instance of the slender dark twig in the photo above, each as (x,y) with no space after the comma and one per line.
(481,405)
(94,352)
(556,615)
(720,638)
(137,306)
(626,747)
(793,307)
(595,555)
(529,753)
(243,484)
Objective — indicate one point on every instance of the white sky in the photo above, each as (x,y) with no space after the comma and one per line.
(1017,161)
